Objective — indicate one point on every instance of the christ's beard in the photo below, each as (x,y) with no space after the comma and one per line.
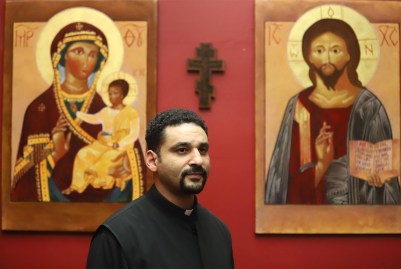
(330,81)
(193,188)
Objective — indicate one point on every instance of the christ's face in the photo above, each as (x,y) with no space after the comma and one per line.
(183,163)
(115,95)
(81,59)
(329,57)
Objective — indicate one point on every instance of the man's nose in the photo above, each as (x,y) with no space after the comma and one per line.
(196,158)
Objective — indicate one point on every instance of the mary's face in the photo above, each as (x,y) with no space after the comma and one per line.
(81,59)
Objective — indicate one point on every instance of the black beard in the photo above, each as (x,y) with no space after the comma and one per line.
(331,80)
(191,190)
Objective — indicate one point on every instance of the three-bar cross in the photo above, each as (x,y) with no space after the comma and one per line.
(205,63)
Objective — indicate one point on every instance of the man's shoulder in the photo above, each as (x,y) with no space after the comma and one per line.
(209,217)
(132,212)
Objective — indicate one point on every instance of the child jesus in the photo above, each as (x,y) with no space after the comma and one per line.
(120,129)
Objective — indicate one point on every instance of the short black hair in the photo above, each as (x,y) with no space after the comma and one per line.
(172,117)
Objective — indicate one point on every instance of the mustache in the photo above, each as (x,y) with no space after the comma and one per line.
(195,169)
(330,81)
(329,64)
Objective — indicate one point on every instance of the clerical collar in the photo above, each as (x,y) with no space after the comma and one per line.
(166,205)
(188,212)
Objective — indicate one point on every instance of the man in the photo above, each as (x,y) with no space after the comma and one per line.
(309,164)
(167,228)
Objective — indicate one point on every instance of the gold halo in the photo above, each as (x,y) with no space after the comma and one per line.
(363,29)
(83,14)
(132,92)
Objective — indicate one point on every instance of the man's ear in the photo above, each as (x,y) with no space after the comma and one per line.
(151,160)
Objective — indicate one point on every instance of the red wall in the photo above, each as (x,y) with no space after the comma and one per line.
(228,24)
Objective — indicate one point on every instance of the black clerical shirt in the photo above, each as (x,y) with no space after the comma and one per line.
(151,232)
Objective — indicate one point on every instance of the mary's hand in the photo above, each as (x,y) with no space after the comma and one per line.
(61,140)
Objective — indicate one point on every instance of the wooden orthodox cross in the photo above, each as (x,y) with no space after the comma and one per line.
(205,63)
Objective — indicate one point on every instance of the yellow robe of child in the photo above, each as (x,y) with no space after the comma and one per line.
(92,163)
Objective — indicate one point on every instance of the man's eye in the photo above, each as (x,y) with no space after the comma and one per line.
(182,150)
(203,151)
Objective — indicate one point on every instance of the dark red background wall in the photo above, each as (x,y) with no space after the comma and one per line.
(229,25)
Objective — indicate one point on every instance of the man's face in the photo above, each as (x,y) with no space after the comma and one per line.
(183,163)
(81,59)
(329,57)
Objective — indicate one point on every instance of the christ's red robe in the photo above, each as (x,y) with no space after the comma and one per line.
(301,189)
